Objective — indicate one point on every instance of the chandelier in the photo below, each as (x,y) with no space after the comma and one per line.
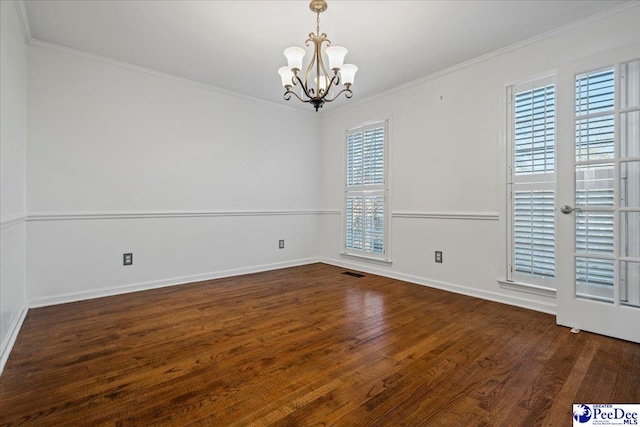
(318,86)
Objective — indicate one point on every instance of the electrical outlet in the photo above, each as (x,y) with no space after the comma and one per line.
(439,256)
(281,244)
(127,259)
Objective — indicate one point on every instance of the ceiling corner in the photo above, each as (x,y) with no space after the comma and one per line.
(24,20)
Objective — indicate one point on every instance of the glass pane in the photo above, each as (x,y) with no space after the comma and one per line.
(354,223)
(594,92)
(594,185)
(534,131)
(630,134)
(354,159)
(534,233)
(374,224)
(630,283)
(594,233)
(630,84)
(595,139)
(630,184)
(594,278)
(630,234)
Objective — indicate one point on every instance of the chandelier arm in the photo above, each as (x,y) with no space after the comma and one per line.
(321,61)
(318,56)
(296,79)
(318,63)
(335,81)
(311,39)
(347,91)
(290,92)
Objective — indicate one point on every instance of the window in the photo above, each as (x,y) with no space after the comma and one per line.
(365,205)
(531,183)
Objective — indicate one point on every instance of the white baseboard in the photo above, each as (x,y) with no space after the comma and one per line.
(10,340)
(543,307)
(155,284)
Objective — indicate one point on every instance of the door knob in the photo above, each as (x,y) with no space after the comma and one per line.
(566,209)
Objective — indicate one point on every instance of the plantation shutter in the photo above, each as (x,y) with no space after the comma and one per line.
(365,191)
(373,157)
(531,184)
(595,178)
(354,159)
(534,138)
(534,233)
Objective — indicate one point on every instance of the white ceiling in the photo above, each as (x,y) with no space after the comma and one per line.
(237,45)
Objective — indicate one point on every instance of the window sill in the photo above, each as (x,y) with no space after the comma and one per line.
(382,261)
(528,288)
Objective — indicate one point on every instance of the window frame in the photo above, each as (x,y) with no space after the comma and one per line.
(372,190)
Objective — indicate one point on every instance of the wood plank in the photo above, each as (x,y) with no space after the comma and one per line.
(306,346)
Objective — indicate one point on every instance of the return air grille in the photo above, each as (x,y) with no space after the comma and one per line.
(352,274)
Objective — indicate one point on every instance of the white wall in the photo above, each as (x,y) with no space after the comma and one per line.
(13,67)
(195,182)
(447,159)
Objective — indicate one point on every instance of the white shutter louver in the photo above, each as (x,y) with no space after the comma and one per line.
(534,138)
(354,222)
(594,271)
(594,233)
(354,159)
(595,139)
(594,92)
(373,154)
(534,232)
(374,220)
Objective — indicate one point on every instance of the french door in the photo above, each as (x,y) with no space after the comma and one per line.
(598,194)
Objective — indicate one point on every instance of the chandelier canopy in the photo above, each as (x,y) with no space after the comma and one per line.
(318,86)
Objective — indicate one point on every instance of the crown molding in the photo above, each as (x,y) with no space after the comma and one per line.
(71,51)
(24,20)
(496,53)
(20,5)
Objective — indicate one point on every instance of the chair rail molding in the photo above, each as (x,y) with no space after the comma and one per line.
(11,220)
(463,215)
(67,216)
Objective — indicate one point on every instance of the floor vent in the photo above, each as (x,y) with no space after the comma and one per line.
(352,274)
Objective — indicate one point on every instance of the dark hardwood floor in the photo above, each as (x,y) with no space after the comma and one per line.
(306,346)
